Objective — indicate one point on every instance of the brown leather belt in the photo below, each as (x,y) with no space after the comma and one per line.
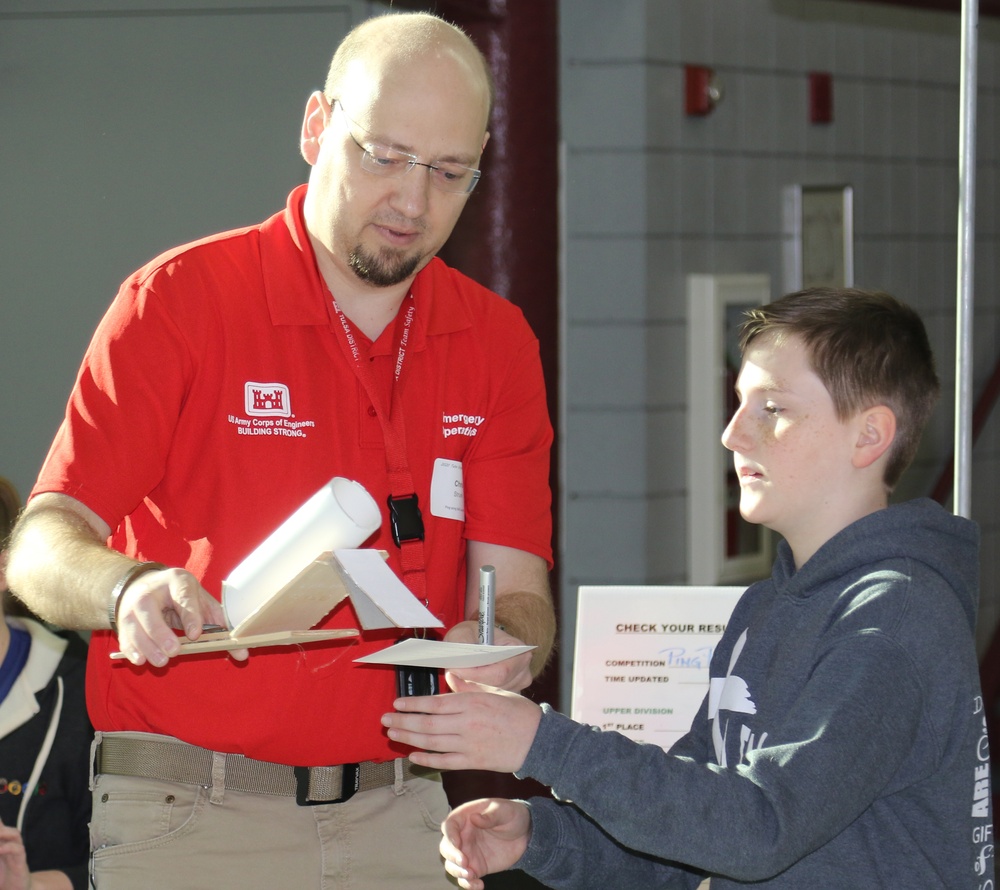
(172,761)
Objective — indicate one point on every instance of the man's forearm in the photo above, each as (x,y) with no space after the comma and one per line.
(529,617)
(61,569)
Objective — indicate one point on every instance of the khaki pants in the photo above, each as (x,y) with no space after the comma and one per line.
(157,835)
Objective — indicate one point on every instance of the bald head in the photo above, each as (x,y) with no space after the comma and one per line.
(391,48)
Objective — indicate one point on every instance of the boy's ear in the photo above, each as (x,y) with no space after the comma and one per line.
(877,432)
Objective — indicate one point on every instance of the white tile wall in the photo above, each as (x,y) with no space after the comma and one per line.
(652,196)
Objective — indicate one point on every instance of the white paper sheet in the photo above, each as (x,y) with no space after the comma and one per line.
(438,654)
(379,597)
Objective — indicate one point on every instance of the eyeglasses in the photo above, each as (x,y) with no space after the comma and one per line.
(382,160)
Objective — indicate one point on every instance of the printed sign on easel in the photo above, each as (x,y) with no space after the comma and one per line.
(642,657)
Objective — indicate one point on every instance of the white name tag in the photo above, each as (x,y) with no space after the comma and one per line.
(447,492)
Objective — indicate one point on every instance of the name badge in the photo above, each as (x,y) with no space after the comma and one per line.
(447,491)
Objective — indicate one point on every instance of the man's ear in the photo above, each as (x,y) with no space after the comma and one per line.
(314,122)
(877,430)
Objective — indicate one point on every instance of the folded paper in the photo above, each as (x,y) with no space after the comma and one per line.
(438,654)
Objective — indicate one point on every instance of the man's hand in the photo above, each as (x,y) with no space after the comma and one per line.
(60,565)
(513,674)
(475,727)
(523,607)
(482,837)
(155,604)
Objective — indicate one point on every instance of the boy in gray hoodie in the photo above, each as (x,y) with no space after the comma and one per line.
(842,743)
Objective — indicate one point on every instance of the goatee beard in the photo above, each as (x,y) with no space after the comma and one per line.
(385,270)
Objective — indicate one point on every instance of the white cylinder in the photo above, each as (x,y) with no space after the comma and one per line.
(342,514)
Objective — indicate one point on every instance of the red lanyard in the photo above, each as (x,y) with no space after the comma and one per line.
(407,525)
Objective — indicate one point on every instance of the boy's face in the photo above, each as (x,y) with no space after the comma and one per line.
(792,454)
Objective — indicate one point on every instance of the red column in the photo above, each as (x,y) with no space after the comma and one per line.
(508,236)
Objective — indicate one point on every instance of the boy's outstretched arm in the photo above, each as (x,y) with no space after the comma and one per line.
(475,727)
(482,837)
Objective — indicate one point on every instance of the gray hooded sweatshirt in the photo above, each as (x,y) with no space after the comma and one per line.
(842,743)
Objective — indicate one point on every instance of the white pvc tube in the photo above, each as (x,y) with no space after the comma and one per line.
(342,514)
(966,260)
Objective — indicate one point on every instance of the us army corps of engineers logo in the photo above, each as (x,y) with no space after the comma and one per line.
(268,410)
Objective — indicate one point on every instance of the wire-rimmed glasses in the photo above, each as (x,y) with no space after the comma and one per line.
(384,160)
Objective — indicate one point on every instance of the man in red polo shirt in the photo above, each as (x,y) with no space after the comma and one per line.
(230,379)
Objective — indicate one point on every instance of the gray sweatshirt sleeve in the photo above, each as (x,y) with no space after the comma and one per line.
(567,850)
(812,778)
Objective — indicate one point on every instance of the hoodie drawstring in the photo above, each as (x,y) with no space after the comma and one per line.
(43,754)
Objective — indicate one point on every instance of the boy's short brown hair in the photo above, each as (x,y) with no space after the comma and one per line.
(868,349)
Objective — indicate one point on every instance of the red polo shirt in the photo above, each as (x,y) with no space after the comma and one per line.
(215,398)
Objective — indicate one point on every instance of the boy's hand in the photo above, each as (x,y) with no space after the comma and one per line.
(475,727)
(482,837)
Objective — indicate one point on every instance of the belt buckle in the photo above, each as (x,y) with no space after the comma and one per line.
(350,780)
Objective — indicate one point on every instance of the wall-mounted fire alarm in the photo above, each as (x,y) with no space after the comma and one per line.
(702,90)
(820,97)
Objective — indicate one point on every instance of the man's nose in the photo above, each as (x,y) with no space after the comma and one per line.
(412,191)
